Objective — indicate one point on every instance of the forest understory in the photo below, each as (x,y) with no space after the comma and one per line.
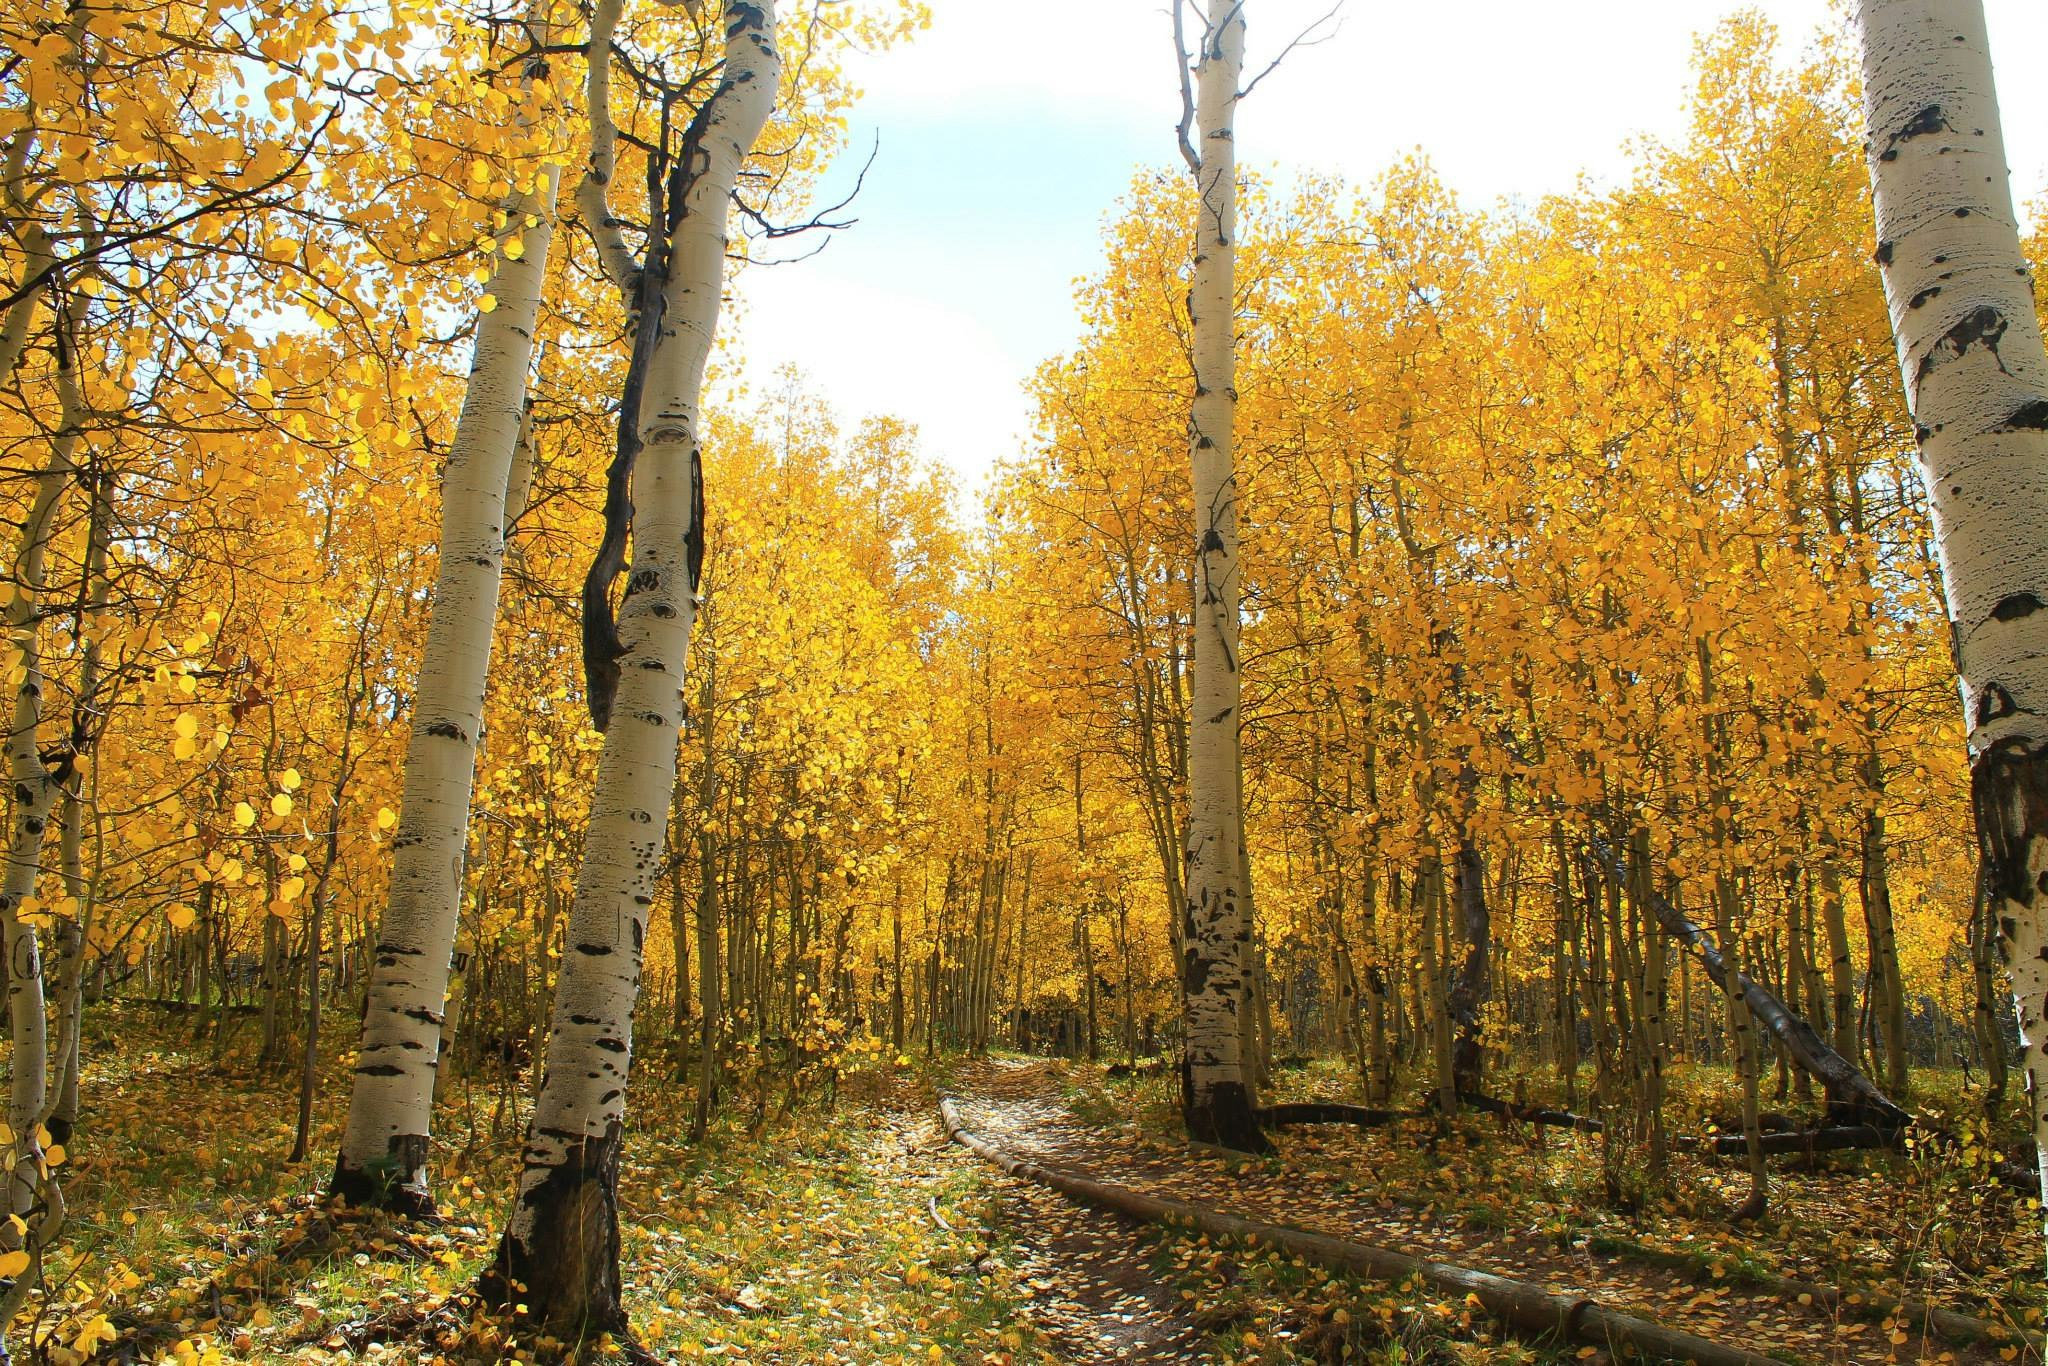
(846,1229)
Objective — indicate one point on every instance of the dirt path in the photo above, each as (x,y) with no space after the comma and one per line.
(1091,1292)
(1015,1104)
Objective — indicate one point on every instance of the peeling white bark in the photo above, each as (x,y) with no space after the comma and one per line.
(1217,931)
(561,1242)
(383,1156)
(1976,378)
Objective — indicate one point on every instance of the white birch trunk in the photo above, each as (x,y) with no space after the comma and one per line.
(1976,378)
(559,1256)
(1216,943)
(35,792)
(383,1157)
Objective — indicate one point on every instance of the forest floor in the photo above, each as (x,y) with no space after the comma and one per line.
(845,1229)
(1518,1203)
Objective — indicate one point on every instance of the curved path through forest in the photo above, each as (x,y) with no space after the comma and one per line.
(1090,1271)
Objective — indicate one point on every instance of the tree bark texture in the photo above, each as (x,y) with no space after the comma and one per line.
(1216,949)
(559,1254)
(1976,381)
(383,1156)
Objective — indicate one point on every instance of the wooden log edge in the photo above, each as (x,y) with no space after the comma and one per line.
(1527,1308)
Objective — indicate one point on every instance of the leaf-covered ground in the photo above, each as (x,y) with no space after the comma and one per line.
(1531,1205)
(847,1230)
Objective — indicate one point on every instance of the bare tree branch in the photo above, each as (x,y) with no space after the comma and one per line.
(1185,130)
(1308,37)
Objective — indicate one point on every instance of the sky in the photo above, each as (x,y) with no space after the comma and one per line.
(1008,132)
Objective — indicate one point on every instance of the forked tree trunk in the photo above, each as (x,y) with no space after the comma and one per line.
(560,1253)
(383,1157)
(1216,1087)
(1976,378)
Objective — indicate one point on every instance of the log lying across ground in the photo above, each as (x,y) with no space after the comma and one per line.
(1531,1114)
(1845,1084)
(1329,1112)
(1528,1309)
(1776,1143)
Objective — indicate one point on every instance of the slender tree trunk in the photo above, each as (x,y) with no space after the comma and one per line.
(896,1037)
(383,1155)
(1887,985)
(708,912)
(1984,1015)
(1469,984)
(1976,380)
(560,1252)
(34,1196)
(1216,1089)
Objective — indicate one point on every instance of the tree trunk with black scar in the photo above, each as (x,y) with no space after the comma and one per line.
(1976,381)
(1216,932)
(559,1256)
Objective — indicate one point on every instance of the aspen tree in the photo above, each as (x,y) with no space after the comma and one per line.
(383,1156)
(560,1253)
(33,1195)
(1216,1093)
(1976,380)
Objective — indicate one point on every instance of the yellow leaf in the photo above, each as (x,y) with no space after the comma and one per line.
(182,917)
(13,1263)
(487,304)
(281,805)
(386,818)
(289,780)
(245,815)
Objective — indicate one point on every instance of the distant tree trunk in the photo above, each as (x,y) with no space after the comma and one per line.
(357,693)
(560,1252)
(1469,984)
(383,1155)
(1094,1042)
(1216,1088)
(708,910)
(1888,990)
(896,1036)
(1841,968)
(1976,380)
(1984,1016)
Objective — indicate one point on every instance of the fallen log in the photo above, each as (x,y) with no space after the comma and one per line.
(1328,1112)
(1849,1138)
(1526,1308)
(1531,1114)
(1796,1142)
(1153,1068)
